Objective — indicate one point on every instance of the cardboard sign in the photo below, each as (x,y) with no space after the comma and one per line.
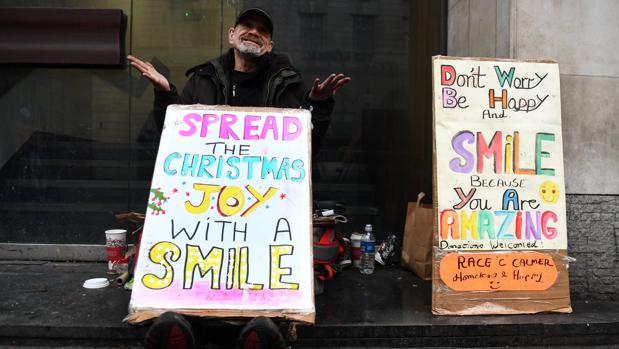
(228,229)
(499,184)
(518,271)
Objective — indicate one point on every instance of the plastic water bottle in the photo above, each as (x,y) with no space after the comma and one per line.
(367,251)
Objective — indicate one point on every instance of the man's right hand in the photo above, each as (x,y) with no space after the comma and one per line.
(159,81)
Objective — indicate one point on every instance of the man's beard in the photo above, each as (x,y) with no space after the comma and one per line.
(250,50)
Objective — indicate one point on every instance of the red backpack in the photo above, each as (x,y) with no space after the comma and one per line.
(331,253)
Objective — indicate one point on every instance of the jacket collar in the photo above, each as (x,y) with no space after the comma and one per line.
(222,65)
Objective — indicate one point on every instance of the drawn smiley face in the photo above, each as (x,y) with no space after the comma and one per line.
(549,192)
(495,285)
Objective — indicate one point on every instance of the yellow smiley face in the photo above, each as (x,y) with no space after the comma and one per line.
(549,192)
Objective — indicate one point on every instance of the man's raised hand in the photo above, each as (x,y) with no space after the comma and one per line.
(147,70)
(326,89)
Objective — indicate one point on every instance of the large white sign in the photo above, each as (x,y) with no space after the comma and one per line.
(499,155)
(228,229)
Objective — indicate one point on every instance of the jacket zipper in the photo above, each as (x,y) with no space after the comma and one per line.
(222,81)
(275,76)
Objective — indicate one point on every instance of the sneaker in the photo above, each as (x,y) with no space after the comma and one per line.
(260,333)
(170,330)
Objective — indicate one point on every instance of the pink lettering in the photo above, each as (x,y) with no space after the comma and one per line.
(249,127)
(269,124)
(189,120)
(449,97)
(224,128)
(288,135)
(549,232)
(207,119)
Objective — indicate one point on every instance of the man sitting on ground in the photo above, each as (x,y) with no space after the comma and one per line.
(249,74)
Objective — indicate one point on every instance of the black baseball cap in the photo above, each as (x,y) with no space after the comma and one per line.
(255,11)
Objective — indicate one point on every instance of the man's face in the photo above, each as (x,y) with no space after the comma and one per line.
(251,37)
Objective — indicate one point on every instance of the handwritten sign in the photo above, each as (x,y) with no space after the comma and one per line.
(499,152)
(499,191)
(228,229)
(498,271)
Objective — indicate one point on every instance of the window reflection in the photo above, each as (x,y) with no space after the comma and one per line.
(78,145)
(367,40)
(311,30)
(363,37)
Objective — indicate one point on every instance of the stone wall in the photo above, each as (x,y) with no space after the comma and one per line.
(593,240)
(581,36)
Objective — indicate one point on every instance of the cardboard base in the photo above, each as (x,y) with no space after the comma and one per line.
(446,301)
(140,316)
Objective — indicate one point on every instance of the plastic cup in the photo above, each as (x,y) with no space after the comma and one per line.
(355,251)
(115,246)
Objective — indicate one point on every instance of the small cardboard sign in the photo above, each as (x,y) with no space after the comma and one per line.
(228,228)
(499,191)
(516,271)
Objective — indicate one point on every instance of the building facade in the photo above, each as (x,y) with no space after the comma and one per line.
(78,143)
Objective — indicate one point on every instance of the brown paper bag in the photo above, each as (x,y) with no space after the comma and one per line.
(417,242)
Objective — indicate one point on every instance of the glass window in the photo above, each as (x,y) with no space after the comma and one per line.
(360,164)
(363,37)
(311,29)
(64,147)
(78,144)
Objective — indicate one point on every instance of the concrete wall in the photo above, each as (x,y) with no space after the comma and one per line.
(582,36)
(479,28)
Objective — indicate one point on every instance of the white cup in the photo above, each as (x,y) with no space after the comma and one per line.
(116,237)
(115,245)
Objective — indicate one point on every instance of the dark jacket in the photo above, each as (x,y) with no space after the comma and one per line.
(210,84)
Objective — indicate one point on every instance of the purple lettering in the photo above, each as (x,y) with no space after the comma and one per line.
(449,97)
(457,143)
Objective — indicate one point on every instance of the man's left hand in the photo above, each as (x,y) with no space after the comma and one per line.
(322,91)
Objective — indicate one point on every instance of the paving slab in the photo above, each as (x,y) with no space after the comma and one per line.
(44,303)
